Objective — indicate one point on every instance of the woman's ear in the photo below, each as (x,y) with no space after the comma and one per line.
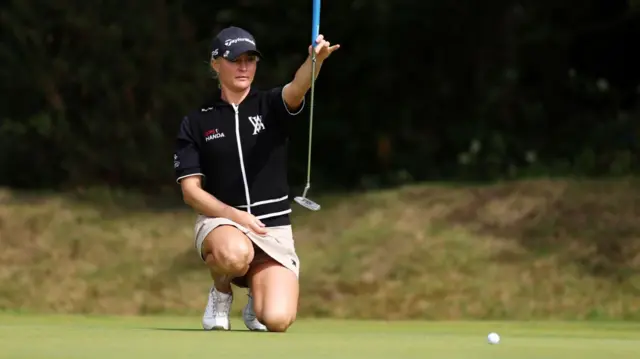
(215,65)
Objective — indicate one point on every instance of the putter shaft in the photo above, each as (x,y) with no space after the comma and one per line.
(313,81)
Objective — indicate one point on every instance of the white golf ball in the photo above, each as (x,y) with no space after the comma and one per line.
(493,338)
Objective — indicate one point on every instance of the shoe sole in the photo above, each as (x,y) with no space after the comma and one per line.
(217,329)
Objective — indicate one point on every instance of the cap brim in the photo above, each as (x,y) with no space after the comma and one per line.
(242,49)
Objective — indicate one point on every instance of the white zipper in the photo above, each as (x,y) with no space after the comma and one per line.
(244,173)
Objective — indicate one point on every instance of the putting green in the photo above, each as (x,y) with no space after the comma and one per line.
(33,337)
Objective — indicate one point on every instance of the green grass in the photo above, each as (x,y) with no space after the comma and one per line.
(69,337)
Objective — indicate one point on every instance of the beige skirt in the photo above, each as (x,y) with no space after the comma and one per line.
(277,244)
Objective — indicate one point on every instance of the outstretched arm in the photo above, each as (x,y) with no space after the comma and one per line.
(293,93)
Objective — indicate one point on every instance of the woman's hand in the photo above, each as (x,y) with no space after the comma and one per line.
(323,49)
(248,220)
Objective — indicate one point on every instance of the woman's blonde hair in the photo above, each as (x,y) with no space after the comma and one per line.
(214,73)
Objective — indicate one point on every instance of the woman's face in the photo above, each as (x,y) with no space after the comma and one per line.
(236,75)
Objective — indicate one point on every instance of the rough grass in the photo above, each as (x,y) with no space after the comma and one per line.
(524,250)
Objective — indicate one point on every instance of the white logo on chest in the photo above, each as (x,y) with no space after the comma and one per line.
(256,121)
(213,135)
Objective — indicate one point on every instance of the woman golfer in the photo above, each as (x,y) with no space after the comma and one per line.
(231,163)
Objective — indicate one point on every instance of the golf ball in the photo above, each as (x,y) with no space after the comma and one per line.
(493,338)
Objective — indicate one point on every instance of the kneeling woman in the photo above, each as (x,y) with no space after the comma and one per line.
(230,161)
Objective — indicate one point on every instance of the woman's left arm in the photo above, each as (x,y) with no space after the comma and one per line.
(293,93)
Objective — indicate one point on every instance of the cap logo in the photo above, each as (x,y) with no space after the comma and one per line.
(214,53)
(230,42)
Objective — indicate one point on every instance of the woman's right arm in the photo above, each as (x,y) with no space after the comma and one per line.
(202,201)
(208,205)
(189,175)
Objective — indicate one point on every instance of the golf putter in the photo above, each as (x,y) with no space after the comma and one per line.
(315,31)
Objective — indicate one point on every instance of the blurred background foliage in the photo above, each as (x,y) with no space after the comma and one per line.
(93,91)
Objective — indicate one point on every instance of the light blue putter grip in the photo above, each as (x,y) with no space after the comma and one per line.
(315,22)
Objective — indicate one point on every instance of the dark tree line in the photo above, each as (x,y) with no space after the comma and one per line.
(93,92)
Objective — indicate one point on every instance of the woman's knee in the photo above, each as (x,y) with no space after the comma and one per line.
(275,293)
(277,320)
(229,250)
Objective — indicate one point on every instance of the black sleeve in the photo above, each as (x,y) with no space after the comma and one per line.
(186,158)
(280,108)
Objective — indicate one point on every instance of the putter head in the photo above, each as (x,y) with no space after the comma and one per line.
(307,203)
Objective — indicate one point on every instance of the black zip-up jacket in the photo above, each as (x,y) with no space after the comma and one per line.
(241,152)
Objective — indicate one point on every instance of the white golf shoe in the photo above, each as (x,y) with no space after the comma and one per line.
(216,314)
(249,317)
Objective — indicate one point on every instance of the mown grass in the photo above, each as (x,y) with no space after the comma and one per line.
(544,249)
(30,337)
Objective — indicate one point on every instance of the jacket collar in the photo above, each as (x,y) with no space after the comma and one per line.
(218,101)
